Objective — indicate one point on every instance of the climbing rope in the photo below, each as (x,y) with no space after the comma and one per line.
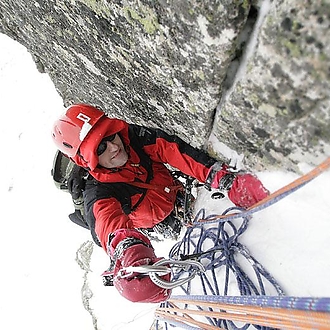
(275,196)
(231,270)
(229,267)
(268,311)
(298,303)
(219,247)
(261,314)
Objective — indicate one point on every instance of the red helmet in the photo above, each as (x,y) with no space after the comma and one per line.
(70,129)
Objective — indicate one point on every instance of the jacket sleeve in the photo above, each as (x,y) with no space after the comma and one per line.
(170,149)
(109,217)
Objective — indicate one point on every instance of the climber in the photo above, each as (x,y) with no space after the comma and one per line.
(119,169)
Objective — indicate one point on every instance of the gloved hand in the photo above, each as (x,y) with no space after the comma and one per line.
(244,189)
(76,181)
(128,247)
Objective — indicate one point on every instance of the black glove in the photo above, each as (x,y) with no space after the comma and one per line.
(77,181)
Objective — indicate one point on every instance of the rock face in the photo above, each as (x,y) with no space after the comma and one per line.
(170,64)
(155,62)
(278,111)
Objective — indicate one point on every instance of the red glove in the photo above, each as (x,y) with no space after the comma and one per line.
(129,247)
(244,189)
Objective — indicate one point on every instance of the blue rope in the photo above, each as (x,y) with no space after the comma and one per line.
(218,247)
(224,251)
(225,246)
(314,304)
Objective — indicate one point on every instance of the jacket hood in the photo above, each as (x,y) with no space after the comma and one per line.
(87,156)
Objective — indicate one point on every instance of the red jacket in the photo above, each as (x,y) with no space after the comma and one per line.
(111,201)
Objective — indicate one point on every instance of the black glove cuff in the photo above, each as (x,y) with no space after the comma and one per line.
(226,181)
(107,280)
(215,168)
(125,244)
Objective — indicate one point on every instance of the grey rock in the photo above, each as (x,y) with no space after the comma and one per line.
(278,112)
(159,63)
(192,68)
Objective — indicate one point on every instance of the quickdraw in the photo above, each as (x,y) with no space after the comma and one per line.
(186,264)
(163,267)
(144,269)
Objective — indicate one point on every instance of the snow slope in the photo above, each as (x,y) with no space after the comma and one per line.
(40,279)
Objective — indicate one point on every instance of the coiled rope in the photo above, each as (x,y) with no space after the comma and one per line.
(219,247)
(227,276)
(227,263)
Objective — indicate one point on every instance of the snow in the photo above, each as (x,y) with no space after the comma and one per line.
(39,286)
(40,280)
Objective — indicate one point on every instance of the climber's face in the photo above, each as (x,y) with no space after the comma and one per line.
(111,152)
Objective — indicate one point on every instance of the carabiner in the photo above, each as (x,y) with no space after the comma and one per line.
(155,278)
